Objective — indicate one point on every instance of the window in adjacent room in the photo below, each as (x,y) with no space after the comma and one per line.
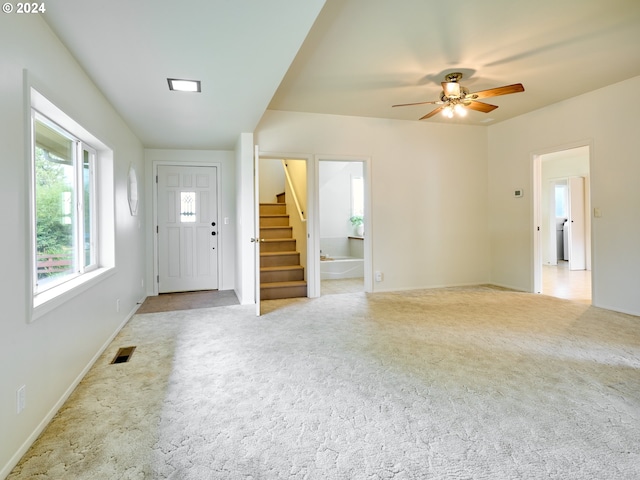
(562,197)
(357,196)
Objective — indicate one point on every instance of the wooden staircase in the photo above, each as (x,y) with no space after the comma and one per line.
(281,275)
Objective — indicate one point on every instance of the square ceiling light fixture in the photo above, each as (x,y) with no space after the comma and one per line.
(180,85)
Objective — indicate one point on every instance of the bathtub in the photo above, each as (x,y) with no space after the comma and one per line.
(335,268)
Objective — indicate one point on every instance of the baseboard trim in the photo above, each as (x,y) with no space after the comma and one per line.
(616,309)
(6,470)
(509,287)
(434,287)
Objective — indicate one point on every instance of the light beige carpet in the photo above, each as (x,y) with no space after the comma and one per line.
(461,383)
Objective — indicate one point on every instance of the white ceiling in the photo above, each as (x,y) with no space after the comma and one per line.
(359,58)
(238,49)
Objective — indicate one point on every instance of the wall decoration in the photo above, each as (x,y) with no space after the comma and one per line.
(133,190)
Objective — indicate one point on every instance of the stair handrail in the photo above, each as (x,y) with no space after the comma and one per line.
(293,190)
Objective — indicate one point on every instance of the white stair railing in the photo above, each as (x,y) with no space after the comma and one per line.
(301,213)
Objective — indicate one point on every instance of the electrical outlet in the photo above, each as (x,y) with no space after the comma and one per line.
(379,276)
(118,305)
(142,282)
(21,398)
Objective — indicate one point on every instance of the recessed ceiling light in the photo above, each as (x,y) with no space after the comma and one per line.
(180,85)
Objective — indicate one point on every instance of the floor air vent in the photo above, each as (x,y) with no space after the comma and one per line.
(123,355)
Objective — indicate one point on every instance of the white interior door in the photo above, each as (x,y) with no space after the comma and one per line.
(552,245)
(187,228)
(577,238)
(256,224)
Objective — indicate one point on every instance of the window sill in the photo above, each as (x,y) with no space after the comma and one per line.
(49,300)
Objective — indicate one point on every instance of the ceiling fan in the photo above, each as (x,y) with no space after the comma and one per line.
(456,98)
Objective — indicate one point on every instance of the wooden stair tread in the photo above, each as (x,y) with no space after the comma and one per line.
(293,283)
(282,274)
(278,268)
(274,206)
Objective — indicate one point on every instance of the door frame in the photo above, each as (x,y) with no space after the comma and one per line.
(154,227)
(315,207)
(311,187)
(536,209)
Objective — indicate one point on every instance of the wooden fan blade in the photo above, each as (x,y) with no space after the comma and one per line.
(481,106)
(431,113)
(494,92)
(410,104)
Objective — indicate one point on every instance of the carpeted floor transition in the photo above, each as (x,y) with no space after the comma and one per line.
(169,302)
(458,383)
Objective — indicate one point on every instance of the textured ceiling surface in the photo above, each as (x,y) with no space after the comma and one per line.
(352,57)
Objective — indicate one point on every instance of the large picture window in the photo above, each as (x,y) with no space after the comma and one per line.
(64,179)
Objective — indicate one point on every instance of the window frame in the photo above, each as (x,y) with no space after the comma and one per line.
(102,265)
(78,203)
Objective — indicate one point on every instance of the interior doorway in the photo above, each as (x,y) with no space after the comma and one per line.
(283,270)
(341,226)
(562,252)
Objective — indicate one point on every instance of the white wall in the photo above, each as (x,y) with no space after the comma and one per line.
(271,179)
(612,129)
(51,354)
(227,208)
(429,191)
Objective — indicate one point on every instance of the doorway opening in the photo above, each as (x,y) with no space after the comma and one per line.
(283,227)
(563,228)
(342,226)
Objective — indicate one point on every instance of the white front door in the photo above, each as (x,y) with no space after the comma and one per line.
(187,228)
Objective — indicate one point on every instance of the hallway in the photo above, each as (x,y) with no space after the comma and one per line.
(559,281)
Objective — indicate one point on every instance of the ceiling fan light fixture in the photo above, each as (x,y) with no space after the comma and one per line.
(448,111)
(456,99)
(451,89)
(460,110)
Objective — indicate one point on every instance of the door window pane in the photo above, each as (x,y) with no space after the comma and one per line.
(187,207)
